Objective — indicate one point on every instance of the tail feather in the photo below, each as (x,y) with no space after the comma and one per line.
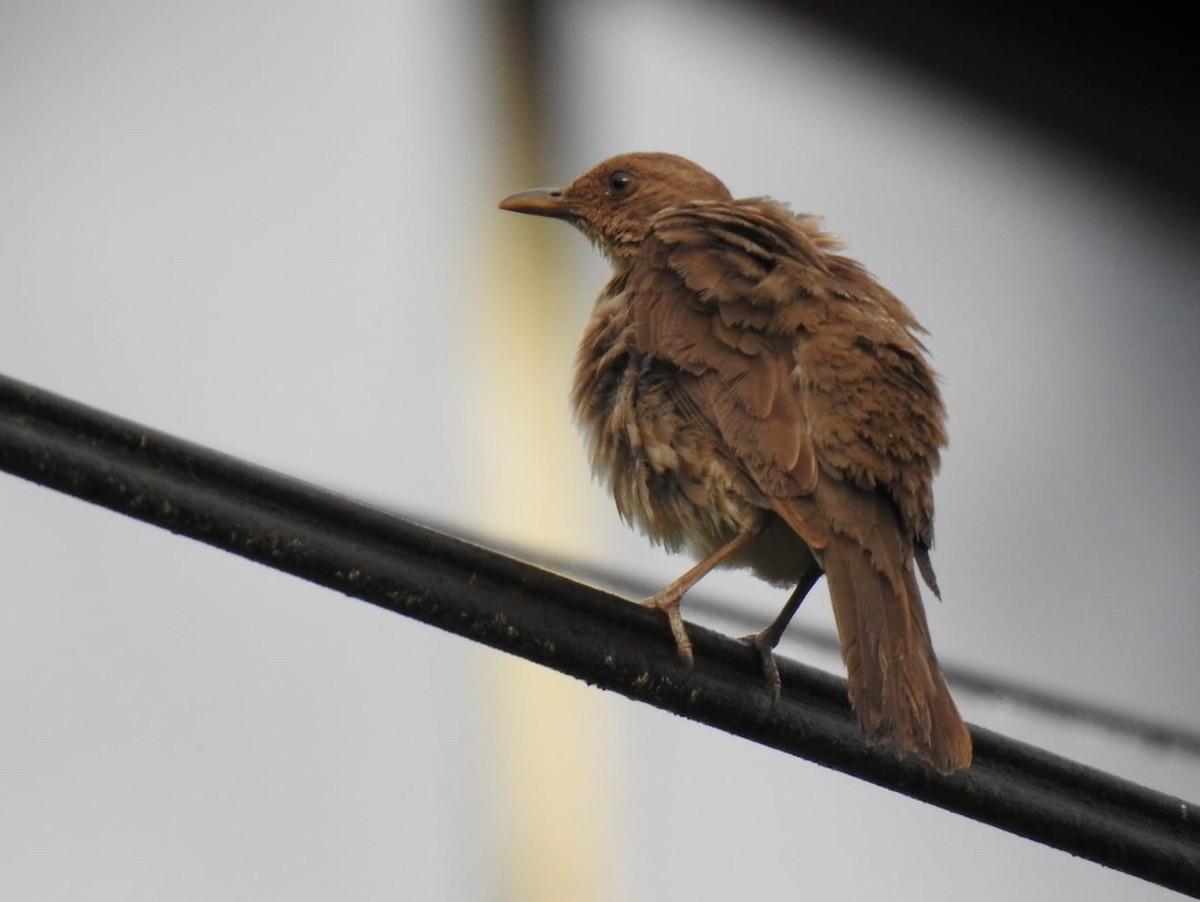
(895,684)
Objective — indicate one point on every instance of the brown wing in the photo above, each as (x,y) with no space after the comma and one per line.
(804,363)
(698,303)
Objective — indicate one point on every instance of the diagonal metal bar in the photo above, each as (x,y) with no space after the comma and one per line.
(507,604)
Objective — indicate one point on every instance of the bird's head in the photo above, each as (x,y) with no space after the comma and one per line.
(614,203)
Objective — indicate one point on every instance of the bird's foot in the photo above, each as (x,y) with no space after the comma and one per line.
(668,601)
(765,642)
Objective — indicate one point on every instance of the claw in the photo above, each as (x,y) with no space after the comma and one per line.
(765,643)
(668,603)
(767,638)
(669,598)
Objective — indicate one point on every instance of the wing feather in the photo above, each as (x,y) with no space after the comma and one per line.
(804,364)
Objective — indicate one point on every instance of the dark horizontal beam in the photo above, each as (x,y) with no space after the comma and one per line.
(403,567)
(1116,84)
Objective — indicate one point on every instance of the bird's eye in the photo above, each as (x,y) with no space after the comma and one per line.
(619,181)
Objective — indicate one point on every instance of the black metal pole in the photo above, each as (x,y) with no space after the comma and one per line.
(509,605)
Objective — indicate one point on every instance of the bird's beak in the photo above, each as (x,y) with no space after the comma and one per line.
(539,202)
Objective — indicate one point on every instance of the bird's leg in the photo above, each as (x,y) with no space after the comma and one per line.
(667,600)
(767,638)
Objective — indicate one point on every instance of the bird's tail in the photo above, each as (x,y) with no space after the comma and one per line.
(895,684)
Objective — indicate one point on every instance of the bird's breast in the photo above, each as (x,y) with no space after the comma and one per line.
(656,453)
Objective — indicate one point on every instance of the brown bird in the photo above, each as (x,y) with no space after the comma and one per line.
(754,397)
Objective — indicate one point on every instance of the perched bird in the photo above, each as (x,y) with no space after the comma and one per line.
(754,397)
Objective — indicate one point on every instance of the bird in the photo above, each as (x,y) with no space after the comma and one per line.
(751,395)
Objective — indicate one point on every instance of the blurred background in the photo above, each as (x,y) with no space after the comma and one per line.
(271,228)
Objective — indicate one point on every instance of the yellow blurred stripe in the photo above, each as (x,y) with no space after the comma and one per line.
(551,788)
